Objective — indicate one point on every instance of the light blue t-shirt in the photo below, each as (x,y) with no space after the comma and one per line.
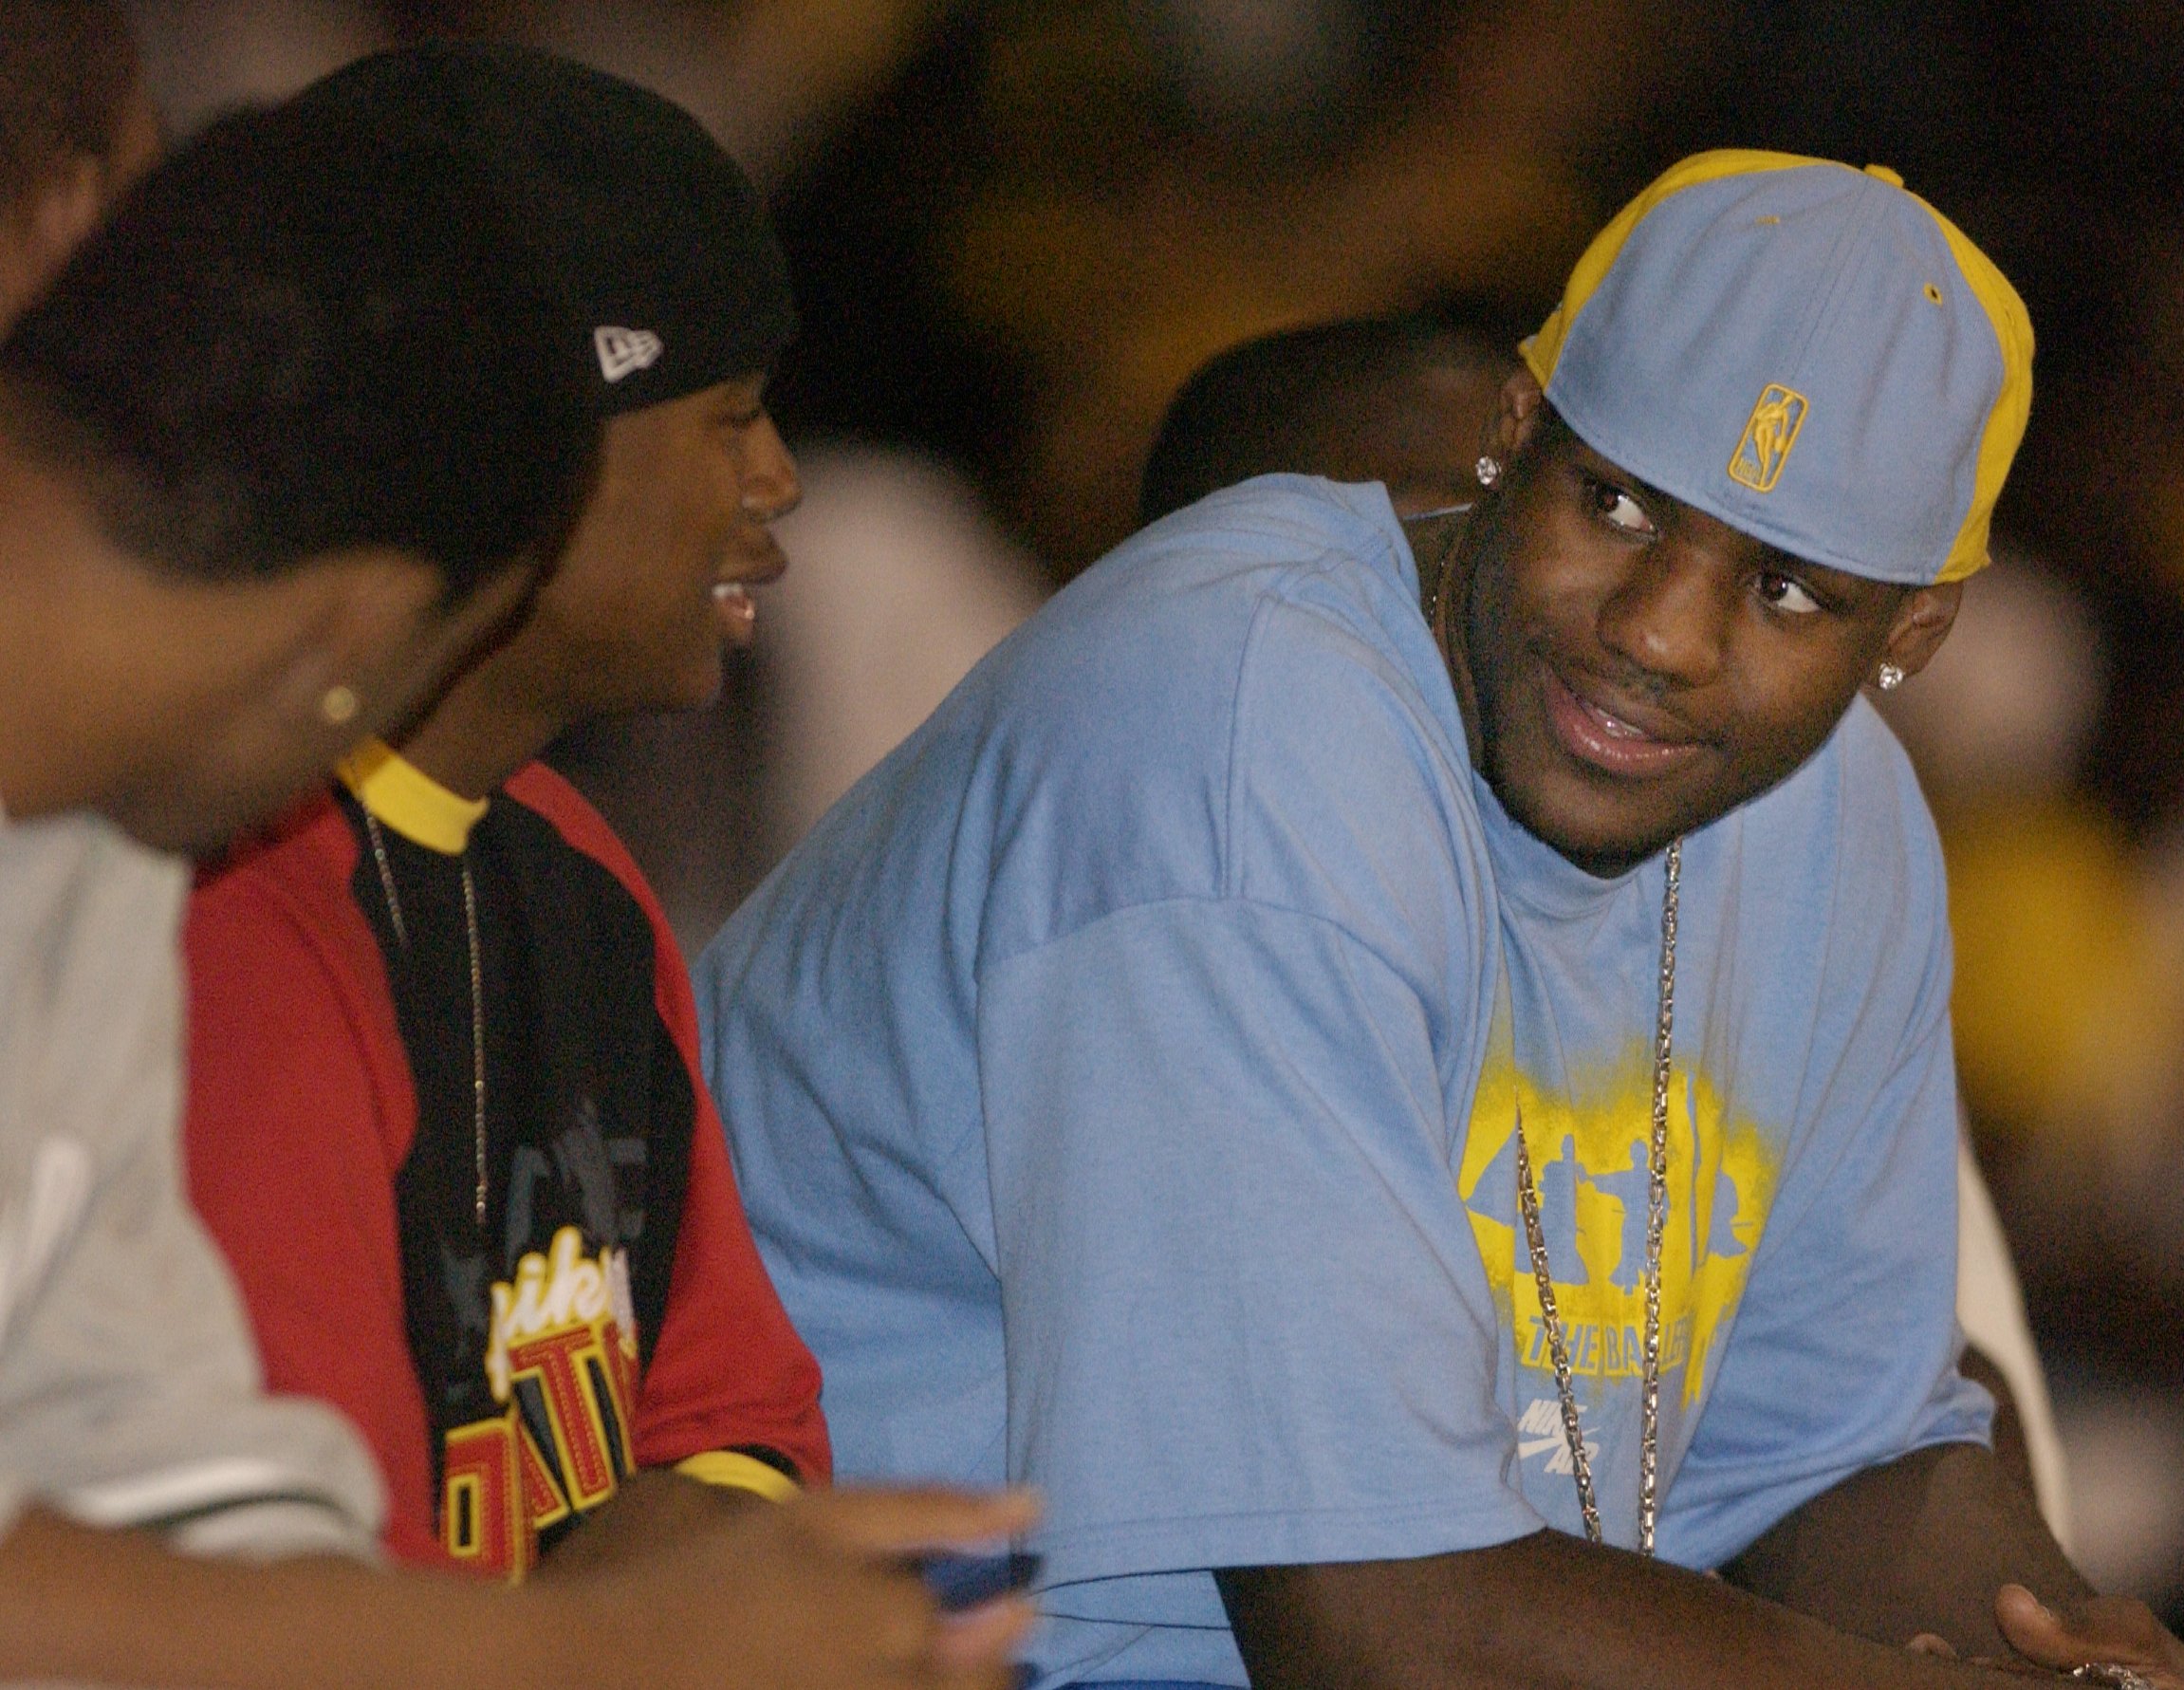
(1122,1082)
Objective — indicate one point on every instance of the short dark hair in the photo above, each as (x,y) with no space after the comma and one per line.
(67,67)
(302,336)
(1268,404)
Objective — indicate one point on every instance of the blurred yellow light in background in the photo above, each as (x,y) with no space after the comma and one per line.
(2067,1002)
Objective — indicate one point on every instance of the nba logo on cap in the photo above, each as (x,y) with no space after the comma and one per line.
(1767,438)
(624,351)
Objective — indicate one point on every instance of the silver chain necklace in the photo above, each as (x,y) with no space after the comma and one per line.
(478,991)
(1657,1203)
(1655,1227)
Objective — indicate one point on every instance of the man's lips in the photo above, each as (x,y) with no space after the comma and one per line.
(734,605)
(1609,740)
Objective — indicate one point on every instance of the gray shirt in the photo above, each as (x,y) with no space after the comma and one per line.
(129,1389)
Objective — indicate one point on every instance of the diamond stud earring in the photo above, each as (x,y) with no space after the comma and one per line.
(1891,678)
(337,705)
(1489,471)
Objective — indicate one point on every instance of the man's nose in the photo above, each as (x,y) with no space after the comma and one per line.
(770,484)
(1670,613)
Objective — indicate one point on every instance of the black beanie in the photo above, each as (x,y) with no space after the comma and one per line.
(660,240)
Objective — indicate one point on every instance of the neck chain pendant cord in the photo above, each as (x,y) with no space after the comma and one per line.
(477,993)
(1657,1224)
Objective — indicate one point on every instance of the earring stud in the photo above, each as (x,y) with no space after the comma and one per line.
(337,705)
(1489,471)
(1891,678)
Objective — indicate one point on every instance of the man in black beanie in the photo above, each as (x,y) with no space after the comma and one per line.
(503,1236)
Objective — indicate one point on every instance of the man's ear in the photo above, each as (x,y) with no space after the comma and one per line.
(1516,419)
(45,228)
(353,618)
(374,625)
(1922,623)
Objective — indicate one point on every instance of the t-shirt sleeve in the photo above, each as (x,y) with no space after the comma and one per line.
(292,1143)
(728,1371)
(1246,1321)
(130,1395)
(1843,1353)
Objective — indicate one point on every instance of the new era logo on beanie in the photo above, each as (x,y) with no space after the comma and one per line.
(623,351)
(658,238)
(1806,351)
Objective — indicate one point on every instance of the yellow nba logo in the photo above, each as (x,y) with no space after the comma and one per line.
(1767,438)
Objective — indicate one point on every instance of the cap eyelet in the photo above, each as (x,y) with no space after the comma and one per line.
(1769,222)
(1933,294)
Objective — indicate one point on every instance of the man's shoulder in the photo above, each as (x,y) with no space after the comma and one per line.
(1281,512)
(1095,753)
(1849,838)
(578,832)
(57,866)
(1162,627)
(89,978)
(88,919)
(1859,785)
(286,891)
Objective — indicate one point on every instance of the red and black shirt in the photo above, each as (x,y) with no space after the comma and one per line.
(611,1310)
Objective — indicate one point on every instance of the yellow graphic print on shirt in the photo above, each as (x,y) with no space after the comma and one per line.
(563,1359)
(1588,1145)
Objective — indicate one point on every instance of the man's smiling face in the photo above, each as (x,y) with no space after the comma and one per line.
(1633,668)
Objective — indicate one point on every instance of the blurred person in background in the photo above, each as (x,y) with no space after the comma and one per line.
(2070,1025)
(902,583)
(1163,967)
(76,129)
(278,449)
(1404,402)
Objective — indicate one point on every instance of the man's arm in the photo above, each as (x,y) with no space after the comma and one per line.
(1544,1610)
(814,1594)
(2013,1448)
(1920,1544)
(1828,1597)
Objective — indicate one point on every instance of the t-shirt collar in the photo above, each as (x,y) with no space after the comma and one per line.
(1533,872)
(403,797)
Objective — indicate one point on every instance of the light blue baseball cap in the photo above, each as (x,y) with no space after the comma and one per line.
(1808,352)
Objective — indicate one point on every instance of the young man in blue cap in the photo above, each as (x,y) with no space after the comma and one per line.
(1359,1058)
(1405,401)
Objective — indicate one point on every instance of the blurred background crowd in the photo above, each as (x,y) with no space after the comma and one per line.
(1017,225)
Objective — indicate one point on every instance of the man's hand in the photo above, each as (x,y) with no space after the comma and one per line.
(651,1508)
(2112,1630)
(1918,1546)
(817,1593)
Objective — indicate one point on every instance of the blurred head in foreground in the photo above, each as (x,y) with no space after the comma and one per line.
(283,442)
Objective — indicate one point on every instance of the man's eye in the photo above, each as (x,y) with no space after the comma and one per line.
(1787,595)
(1619,510)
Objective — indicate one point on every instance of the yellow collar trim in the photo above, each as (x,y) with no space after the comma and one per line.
(732,1470)
(408,799)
